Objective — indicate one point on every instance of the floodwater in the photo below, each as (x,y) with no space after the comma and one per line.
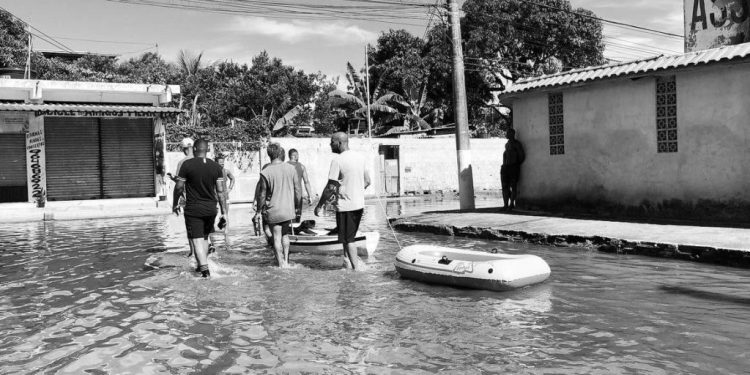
(76,298)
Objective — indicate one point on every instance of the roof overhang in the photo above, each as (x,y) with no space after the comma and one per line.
(633,69)
(36,91)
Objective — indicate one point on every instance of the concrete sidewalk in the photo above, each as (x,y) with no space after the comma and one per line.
(727,246)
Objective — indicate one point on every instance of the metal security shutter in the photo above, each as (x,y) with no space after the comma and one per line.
(72,152)
(13,170)
(127,158)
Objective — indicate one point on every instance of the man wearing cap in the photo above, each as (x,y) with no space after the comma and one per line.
(202,181)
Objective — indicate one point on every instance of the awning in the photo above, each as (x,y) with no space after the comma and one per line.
(91,110)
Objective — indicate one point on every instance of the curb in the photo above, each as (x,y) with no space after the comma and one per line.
(702,254)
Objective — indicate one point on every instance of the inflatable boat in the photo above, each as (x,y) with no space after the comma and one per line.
(470,269)
(322,243)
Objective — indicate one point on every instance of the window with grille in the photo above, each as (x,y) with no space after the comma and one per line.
(666,114)
(556,124)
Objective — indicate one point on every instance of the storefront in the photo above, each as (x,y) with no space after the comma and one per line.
(82,149)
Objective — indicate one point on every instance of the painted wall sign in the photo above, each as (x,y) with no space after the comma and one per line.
(14,122)
(716,23)
(35,159)
(102,114)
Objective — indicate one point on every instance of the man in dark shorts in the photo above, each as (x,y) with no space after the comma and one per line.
(203,183)
(277,195)
(347,181)
(510,171)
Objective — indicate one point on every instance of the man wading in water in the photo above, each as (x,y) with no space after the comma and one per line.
(302,174)
(347,181)
(278,192)
(203,182)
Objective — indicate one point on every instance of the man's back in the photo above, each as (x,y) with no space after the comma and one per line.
(348,168)
(200,176)
(281,180)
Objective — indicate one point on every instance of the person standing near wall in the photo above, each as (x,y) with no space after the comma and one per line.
(202,181)
(347,180)
(302,174)
(510,171)
(278,194)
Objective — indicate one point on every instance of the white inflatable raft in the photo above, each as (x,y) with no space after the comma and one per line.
(323,244)
(470,269)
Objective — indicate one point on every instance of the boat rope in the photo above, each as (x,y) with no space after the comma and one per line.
(385,213)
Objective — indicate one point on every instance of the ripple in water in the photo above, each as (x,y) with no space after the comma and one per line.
(77,297)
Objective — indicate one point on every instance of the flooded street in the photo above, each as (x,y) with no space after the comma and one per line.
(77,298)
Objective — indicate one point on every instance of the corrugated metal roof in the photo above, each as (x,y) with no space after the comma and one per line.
(657,63)
(98,108)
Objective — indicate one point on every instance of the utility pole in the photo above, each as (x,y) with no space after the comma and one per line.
(367,89)
(463,149)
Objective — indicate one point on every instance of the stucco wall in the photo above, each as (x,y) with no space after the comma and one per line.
(610,141)
(425,164)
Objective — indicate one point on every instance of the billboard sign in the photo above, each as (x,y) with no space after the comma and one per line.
(716,23)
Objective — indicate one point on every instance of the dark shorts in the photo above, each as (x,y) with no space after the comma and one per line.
(286,227)
(509,174)
(347,223)
(199,226)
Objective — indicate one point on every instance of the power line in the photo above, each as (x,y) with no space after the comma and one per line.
(616,23)
(48,39)
(106,41)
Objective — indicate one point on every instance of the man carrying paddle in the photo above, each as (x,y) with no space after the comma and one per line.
(202,181)
(347,181)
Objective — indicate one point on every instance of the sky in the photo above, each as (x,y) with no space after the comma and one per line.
(311,45)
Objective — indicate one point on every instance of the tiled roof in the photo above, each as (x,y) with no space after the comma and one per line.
(98,108)
(657,63)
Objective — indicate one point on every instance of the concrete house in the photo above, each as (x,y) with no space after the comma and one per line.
(664,128)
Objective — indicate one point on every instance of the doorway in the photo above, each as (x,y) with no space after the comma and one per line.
(389,172)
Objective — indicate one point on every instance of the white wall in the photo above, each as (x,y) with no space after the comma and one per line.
(610,140)
(425,164)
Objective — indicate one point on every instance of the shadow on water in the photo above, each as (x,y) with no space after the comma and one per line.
(703,294)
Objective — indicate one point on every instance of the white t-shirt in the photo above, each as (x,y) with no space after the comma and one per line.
(348,168)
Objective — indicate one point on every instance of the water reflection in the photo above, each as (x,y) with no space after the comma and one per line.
(76,298)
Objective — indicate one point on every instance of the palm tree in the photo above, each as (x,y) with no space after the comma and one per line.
(353,104)
(189,63)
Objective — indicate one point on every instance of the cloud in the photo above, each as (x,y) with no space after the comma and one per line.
(296,31)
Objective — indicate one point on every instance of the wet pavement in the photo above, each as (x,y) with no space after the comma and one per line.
(76,298)
(728,246)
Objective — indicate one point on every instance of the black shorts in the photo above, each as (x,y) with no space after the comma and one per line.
(509,175)
(347,223)
(199,226)
(286,227)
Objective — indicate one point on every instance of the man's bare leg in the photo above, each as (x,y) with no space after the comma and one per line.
(192,248)
(278,246)
(285,246)
(350,251)
(201,254)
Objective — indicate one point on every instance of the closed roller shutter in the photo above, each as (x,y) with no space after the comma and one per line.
(72,152)
(127,158)
(13,168)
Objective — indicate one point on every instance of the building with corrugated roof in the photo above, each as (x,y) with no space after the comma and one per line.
(660,129)
(67,142)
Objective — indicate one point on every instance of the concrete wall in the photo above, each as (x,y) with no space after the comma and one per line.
(611,148)
(425,164)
